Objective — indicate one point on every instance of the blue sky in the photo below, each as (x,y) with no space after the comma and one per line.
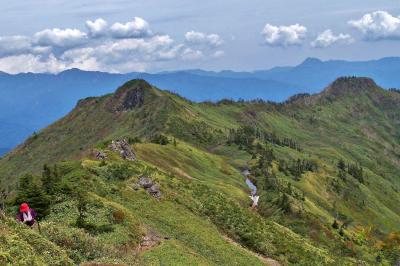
(123,36)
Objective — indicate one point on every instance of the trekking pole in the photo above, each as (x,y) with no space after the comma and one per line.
(38,224)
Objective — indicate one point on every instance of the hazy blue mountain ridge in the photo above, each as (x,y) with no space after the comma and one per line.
(28,101)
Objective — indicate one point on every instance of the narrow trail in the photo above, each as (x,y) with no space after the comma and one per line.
(266,260)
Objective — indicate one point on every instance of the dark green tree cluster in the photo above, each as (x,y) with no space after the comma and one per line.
(246,135)
(50,179)
(133,140)
(39,191)
(31,190)
(203,133)
(297,167)
(354,170)
(160,139)
(243,137)
(265,156)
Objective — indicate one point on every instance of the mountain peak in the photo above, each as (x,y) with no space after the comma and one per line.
(311,61)
(349,85)
(130,95)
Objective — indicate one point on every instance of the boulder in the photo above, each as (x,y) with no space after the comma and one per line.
(124,149)
(145,182)
(154,190)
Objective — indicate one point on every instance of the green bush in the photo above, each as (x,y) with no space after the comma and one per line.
(118,216)
(119,171)
(80,245)
(160,139)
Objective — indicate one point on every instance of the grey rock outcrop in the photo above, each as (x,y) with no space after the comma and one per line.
(124,149)
(131,95)
(151,187)
(145,182)
(154,190)
(100,155)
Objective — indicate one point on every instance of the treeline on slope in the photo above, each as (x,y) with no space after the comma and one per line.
(245,136)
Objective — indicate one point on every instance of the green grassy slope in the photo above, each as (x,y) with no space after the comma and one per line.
(205,200)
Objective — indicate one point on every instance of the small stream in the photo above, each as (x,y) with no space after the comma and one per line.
(251,186)
(253,194)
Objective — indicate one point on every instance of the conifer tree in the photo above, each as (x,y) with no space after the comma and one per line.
(31,191)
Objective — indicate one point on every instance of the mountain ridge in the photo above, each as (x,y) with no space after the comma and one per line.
(196,151)
(36,100)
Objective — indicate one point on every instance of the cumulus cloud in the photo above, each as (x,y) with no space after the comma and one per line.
(121,47)
(10,45)
(200,38)
(60,37)
(378,25)
(124,54)
(31,63)
(97,28)
(138,28)
(284,36)
(328,38)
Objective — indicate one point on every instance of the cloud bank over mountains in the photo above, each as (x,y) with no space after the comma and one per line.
(119,47)
(135,46)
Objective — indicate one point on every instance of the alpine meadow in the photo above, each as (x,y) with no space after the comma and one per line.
(209,133)
(324,165)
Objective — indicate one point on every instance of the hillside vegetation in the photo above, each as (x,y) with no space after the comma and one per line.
(325,166)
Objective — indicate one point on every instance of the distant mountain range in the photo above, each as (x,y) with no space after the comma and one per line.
(28,101)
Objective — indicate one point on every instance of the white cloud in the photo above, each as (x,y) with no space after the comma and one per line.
(60,37)
(284,36)
(200,38)
(378,25)
(11,45)
(190,54)
(138,28)
(119,48)
(114,55)
(218,54)
(328,38)
(97,28)
(31,63)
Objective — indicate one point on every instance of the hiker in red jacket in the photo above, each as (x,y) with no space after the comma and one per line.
(26,215)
